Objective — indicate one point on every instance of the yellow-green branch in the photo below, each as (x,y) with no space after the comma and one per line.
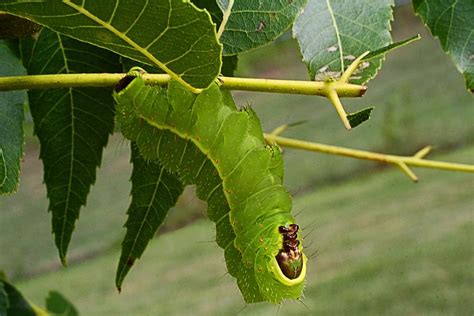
(331,89)
(230,83)
(417,160)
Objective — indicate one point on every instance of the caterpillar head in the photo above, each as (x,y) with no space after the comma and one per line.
(281,268)
(125,81)
(290,258)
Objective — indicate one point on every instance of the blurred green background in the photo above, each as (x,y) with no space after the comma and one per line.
(379,244)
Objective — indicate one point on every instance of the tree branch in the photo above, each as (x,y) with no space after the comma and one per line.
(331,89)
(417,160)
(230,83)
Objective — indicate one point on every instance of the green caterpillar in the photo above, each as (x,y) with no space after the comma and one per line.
(207,141)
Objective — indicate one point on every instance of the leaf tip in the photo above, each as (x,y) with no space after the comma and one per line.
(357,118)
(62,255)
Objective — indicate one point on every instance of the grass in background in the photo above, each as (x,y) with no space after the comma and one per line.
(384,246)
(26,247)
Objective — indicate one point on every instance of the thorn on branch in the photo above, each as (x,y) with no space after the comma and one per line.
(280,129)
(332,95)
(352,68)
(336,102)
(422,153)
(407,171)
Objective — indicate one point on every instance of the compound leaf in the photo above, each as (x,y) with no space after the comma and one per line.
(173,35)
(332,33)
(154,192)
(452,21)
(11,120)
(254,23)
(72,124)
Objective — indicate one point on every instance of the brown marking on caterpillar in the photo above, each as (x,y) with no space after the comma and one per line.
(290,258)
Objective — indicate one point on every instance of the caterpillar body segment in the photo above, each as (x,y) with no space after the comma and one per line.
(207,141)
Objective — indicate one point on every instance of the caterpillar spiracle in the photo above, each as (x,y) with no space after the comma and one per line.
(207,141)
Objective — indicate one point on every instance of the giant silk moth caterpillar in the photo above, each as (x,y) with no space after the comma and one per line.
(207,141)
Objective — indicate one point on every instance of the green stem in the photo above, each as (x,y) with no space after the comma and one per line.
(401,161)
(232,83)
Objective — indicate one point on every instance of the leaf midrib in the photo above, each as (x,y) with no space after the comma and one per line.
(336,29)
(148,209)
(73,134)
(132,43)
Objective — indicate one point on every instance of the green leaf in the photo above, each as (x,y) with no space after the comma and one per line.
(357,118)
(211,7)
(72,124)
(254,23)
(18,305)
(154,192)
(11,121)
(229,63)
(384,50)
(452,21)
(57,304)
(173,35)
(4,303)
(331,34)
